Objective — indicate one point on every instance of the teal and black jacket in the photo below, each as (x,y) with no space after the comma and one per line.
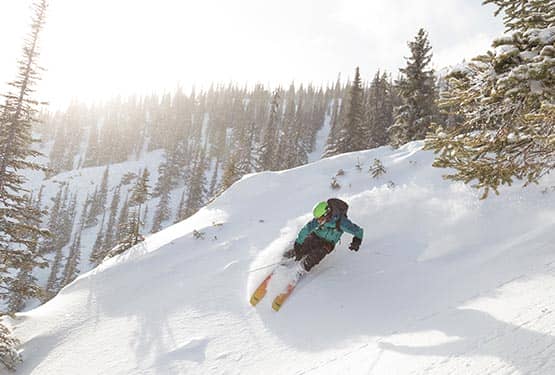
(331,230)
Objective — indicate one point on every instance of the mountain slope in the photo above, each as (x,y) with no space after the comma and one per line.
(442,283)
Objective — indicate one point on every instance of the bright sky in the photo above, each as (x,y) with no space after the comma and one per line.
(94,49)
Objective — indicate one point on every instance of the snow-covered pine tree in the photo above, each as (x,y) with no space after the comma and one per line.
(418,92)
(507,100)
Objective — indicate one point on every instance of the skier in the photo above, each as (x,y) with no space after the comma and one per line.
(320,235)
(316,240)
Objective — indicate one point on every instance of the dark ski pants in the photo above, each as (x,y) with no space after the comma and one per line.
(313,250)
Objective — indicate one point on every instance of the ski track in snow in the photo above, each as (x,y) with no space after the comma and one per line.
(443,283)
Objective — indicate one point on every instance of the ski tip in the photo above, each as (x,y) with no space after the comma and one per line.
(276,306)
(254,301)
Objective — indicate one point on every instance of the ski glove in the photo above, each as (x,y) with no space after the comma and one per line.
(355,244)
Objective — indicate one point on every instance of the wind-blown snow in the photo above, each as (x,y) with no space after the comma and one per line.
(443,283)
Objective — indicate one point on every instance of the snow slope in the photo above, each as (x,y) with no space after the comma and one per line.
(443,283)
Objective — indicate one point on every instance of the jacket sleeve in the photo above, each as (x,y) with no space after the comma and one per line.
(307,229)
(348,226)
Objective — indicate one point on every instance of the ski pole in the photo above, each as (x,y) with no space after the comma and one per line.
(263,267)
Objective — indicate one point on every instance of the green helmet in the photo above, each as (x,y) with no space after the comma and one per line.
(321,209)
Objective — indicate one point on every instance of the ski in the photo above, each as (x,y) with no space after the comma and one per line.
(260,292)
(282,297)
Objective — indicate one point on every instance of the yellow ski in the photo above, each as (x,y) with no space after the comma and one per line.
(260,292)
(281,298)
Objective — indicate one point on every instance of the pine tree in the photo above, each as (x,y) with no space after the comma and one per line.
(139,195)
(103,192)
(25,280)
(96,253)
(123,221)
(212,190)
(110,237)
(336,139)
(417,90)
(286,132)
(94,209)
(139,192)
(71,269)
(92,155)
(507,100)
(268,148)
(196,194)
(163,211)
(19,220)
(355,133)
(231,174)
(379,110)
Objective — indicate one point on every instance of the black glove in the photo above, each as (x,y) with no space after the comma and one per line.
(355,244)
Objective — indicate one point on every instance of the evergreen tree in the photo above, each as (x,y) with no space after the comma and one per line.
(139,192)
(231,174)
(71,269)
(123,220)
(92,154)
(96,253)
(268,148)
(287,130)
(181,209)
(25,279)
(417,90)
(506,98)
(163,211)
(196,194)
(214,180)
(94,209)
(355,133)
(110,237)
(19,220)
(379,110)
(103,192)
(335,143)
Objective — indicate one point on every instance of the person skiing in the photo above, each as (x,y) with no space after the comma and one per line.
(320,235)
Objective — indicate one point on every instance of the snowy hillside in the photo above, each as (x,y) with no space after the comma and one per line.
(443,283)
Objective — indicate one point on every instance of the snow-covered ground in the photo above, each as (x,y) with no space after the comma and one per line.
(443,283)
